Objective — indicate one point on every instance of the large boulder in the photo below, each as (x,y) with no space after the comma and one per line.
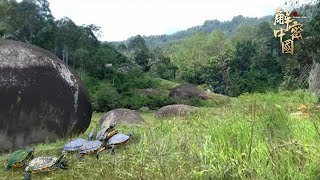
(120,116)
(41,99)
(176,110)
(188,91)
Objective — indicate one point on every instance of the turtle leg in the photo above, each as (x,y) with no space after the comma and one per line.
(80,155)
(97,155)
(113,149)
(63,165)
(27,176)
(99,150)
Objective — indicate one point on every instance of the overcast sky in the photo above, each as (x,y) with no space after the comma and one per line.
(120,19)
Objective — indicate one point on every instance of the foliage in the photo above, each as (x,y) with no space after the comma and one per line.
(162,66)
(228,27)
(141,52)
(105,98)
(232,57)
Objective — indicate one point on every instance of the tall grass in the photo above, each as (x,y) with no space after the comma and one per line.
(253,137)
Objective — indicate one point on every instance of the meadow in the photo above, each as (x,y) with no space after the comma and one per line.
(255,136)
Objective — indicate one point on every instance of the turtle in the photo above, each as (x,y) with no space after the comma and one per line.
(75,144)
(19,158)
(91,147)
(111,131)
(44,164)
(116,140)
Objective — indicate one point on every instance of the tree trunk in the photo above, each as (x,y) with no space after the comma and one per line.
(63,51)
(67,58)
(224,67)
(314,79)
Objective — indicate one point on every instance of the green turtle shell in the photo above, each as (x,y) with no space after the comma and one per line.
(17,157)
(41,163)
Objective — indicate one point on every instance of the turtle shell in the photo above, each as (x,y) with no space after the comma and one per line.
(118,139)
(90,146)
(74,144)
(101,133)
(16,158)
(41,163)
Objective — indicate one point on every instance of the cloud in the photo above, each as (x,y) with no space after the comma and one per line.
(120,19)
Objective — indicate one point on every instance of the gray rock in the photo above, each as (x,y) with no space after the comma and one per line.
(41,98)
(176,110)
(120,116)
(188,91)
(144,109)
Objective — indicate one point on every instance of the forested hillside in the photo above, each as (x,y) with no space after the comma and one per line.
(228,27)
(231,58)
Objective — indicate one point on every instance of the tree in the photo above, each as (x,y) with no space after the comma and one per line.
(141,52)
(266,68)
(189,55)
(240,66)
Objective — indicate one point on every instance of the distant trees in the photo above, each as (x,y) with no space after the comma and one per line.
(141,52)
(162,66)
(230,57)
(250,60)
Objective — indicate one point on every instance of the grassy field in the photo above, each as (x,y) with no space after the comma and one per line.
(255,136)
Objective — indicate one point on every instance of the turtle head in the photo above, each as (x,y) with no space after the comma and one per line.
(112,125)
(63,155)
(129,134)
(90,137)
(31,151)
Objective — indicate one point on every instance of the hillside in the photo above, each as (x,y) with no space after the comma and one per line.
(265,127)
(256,136)
(229,27)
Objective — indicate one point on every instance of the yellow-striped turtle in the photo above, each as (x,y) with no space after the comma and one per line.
(75,144)
(19,158)
(109,131)
(93,147)
(116,140)
(44,164)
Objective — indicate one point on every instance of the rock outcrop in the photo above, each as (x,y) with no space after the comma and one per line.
(41,99)
(176,110)
(120,116)
(188,91)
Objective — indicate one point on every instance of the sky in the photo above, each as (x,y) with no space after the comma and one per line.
(121,19)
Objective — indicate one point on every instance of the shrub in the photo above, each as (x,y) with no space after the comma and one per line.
(105,98)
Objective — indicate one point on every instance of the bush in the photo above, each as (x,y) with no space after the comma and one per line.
(106,98)
(136,101)
(145,81)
